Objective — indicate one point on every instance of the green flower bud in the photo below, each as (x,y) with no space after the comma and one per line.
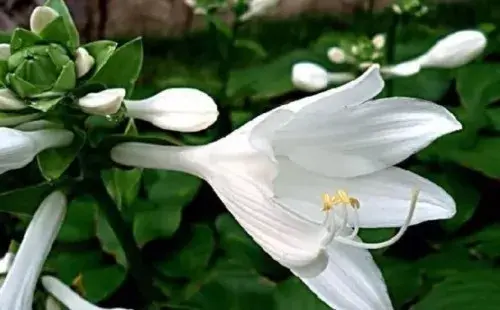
(39,69)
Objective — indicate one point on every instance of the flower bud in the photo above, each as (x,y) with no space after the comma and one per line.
(178,109)
(309,77)
(336,55)
(41,17)
(455,50)
(106,102)
(4,51)
(258,7)
(378,41)
(9,102)
(18,148)
(84,62)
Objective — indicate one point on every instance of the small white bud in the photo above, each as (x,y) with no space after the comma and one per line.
(9,101)
(41,17)
(178,109)
(4,51)
(309,77)
(336,55)
(454,50)
(84,62)
(258,7)
(106,102)
(378,41)
(397,9)
(354,50)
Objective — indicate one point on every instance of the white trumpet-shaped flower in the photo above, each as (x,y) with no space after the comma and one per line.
(178,109)
(272,173)
(41,17)
(19,286)
(83,61)
(9,101)
(310,77)
(67,297)
(452,51)
(105,102)
(18,148)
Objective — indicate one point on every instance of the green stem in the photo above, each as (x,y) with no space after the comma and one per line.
(391,49)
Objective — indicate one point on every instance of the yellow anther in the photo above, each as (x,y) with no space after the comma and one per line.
(327,202)
(341,197)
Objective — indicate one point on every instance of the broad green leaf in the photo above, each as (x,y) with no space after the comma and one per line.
(57,32)
(464,291)
(194,255)
(22,38)
(428,84)
(153,221)
(165,187)
(100,283)
(45,105)
(109,241)
(239,118)
(252,46)
(24,200)
(62,9)
(23,88)
(79,223)
(123,67)
(101,51)
(477,85)
(54,162)
(67,79)
(402,278)
(240,246)
(293,294)
(13,119)
(486,241)
(68,264)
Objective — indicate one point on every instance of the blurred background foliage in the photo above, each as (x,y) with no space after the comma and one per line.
(204,260)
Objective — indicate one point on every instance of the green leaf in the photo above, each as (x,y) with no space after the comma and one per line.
(237,244)
(22,38)
(67,78)
(13,119)
(56,32)
(24,200)
(100,283)
(123,68)
(165,187)
(21,87)
(428,84)
(3,70)
(486,242)
(239,118)
(193,257)
(68,264)
(252,46)
(62,9)
(402,278)
(54,162)
(79,224)
(467,290)
(45,105)
(292,294)
(101,51)
(474,85)
(109,241)
(152,221)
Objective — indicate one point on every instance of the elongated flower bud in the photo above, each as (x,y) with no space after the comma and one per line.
(18,148)
(19,286)
(105,102)
(84,62)
(309,77)
(178,109)
(9,102)
(41,17)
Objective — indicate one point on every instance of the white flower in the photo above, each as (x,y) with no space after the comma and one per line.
(84,62)
(67,297)
(336,55)
(311,77)
(18,148)
(378,41)
(178,109)
(4,51)
(272,172)
(41,17)
(9,102)
(19,286)
(258,7)
(105,102)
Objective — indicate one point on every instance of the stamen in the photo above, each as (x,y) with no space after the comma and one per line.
(330,222)
(355,232)
(391,241)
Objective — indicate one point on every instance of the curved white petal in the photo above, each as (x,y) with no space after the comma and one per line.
(83,61)
(105,102)
(67,297)
(384,196)
(258,7)
(41,17)
(351,281)
(364,138)
(178,109)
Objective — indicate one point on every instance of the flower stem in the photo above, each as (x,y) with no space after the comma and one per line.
(391,49)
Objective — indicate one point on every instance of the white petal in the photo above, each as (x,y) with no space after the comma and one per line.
(19,286)
(407,68)
(41,17)
(360,139)
(384,195)
(178,109)
(105,102)
(258,7)
(67,297)
(6,262)
(9,102)
(4,51)
(309,77)
(84,62)
(352,281)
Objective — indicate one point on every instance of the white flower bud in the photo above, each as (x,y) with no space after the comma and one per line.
(336,55)
(4,51)
(258,7)
(105,102)
(18,148)
(404,69)
(378,41)
(455,50)
(309,77)
(397,9)
(9,102)
(41,17)
(178,109)
(84,62)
